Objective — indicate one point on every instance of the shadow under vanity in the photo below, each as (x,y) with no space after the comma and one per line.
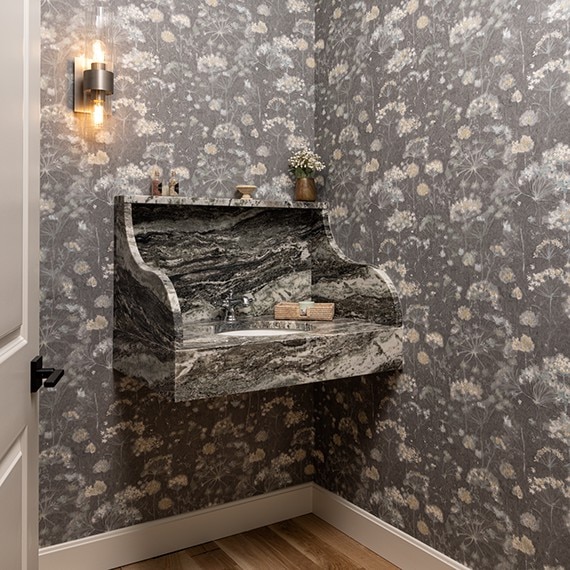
(182,265)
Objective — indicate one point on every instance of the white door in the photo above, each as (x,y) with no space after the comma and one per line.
(19,270)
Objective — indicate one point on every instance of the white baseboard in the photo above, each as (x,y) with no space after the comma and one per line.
(155,538)
(387,541)
(148,540)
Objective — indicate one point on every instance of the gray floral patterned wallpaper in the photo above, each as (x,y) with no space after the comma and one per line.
(446,127)
(221,91)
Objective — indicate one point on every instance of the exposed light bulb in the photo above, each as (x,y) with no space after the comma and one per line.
(98,113)
(93,79)
(98,51)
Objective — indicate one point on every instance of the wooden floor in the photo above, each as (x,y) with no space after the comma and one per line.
(305,542)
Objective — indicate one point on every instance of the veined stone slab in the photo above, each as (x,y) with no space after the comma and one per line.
(176,259)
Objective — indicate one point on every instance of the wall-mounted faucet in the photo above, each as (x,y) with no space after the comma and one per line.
(230,303)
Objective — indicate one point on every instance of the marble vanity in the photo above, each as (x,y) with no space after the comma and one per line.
(177,260)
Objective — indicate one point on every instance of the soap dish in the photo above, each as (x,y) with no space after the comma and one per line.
(246,190)
(293,312)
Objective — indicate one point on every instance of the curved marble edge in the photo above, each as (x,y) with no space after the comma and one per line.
(154,279)
(393,291)
(234,202)
(372,269)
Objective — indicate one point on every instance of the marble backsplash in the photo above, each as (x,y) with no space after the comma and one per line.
(208,251)
(275,251)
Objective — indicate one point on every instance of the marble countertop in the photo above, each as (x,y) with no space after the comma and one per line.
(206,334)
(229,202)
(210,364)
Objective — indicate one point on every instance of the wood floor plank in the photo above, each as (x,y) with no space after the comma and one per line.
(195,550)
(247,551)
(321,553)
(303,543)
(175,561)
(210,546)
(214,559)
(348,546)
(283,550)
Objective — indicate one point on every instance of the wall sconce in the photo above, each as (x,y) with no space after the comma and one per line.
(93,76)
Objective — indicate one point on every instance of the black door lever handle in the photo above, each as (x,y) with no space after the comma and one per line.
(54,377)
(37,375)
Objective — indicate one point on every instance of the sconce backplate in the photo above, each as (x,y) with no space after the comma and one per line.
(78,99)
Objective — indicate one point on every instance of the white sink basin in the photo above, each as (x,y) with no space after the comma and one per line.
(259,332)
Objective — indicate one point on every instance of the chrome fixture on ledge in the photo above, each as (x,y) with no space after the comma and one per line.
(230,303)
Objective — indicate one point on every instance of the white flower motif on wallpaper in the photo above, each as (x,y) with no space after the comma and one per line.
(459,189)
(445,128)
(221,92)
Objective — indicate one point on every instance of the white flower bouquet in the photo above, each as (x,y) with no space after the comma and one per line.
(305,163)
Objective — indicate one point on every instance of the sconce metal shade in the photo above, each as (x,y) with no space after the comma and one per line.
(92,86)
(98,78)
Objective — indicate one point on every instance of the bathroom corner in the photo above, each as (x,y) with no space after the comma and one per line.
(444,127)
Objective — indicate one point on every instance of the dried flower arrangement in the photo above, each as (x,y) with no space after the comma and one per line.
(305,163)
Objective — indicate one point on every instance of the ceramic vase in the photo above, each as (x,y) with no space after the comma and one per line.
(305,189)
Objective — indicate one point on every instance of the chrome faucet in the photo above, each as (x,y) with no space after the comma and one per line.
(230,303)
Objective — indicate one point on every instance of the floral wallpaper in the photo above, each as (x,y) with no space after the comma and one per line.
(446,128)
(220,92)
(124,454)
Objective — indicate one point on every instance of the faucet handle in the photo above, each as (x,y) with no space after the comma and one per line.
(247,299)
(227,300)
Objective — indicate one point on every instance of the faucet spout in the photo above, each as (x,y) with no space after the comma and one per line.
(230,303)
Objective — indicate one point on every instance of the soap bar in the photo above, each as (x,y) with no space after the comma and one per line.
(304,305)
